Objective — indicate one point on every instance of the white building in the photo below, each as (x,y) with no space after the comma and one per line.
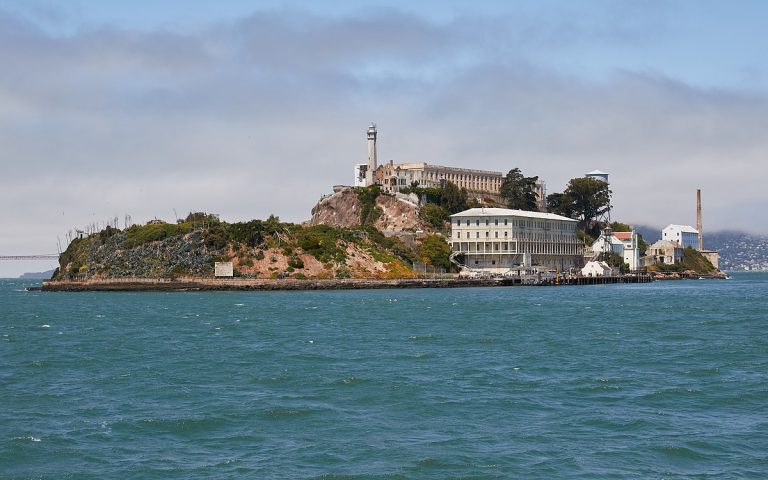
(596,269)
(497,239)
(622,243)
(685,235)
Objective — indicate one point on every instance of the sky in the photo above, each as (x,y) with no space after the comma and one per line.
(154,109)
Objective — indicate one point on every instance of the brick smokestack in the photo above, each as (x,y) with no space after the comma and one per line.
(698,219)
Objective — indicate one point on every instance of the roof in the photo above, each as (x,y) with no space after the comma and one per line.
(665,244)
(507,212)
(622,235)
(682,228)
(597,172)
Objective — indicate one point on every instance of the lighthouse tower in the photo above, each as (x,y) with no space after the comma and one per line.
(371,155)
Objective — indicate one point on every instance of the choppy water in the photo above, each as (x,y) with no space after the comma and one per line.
(666,380)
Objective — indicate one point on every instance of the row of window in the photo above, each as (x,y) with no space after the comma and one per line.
(522,223)
(502,247)
(554,238)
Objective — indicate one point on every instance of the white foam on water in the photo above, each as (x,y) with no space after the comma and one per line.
(45,326)
(239,304)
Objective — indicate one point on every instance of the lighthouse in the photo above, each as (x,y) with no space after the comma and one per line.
(371,155)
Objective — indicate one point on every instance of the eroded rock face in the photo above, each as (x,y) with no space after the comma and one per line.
(398,215)
(342,209)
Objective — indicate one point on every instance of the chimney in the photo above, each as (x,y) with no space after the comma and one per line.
(698,218)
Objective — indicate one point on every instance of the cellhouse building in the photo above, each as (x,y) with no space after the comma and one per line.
(497,240)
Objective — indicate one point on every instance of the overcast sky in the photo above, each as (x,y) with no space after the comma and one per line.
(250,108)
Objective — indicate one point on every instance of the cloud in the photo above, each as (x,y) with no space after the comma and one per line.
(263,115)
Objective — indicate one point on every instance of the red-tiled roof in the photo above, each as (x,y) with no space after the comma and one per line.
(623,235)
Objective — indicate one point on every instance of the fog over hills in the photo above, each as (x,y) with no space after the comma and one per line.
(738,250)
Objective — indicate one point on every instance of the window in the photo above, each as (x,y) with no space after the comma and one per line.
(497,234)
(458,234)
(487,234)
(477,234)
(458,223)
(505,234)
(477,222)
(505,221)
(486,221)
(467,222)
(496,222)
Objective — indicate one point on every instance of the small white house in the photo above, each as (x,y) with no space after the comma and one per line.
(596,269)
(622,243)
(684,235)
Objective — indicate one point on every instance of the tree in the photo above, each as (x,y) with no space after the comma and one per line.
(614,260)
(519,191)
(620,227)
(453,199)
(435,251)
(589,199)
(560,204)
(433,215)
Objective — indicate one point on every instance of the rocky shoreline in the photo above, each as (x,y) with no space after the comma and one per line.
(244,284)
(205,284)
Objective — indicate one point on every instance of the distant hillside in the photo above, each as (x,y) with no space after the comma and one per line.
(649,234)
(739,250)
(37,275)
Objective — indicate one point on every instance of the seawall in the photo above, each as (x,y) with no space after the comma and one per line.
(210,284)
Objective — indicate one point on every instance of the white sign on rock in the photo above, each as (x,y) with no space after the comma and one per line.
(223,269)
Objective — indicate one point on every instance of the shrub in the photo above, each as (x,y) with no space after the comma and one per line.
(216,237)
(296,262)
(107,233)
(259,255)
(435,251)
(369,212)
(247,262)
(433,214)
(321,241)
(249,233)
(343,273)
(137,235)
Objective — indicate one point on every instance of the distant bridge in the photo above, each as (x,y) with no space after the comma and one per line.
(43,256)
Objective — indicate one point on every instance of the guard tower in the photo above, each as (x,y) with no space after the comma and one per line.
(371,155)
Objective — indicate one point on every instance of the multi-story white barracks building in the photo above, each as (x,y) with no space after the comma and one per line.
(498,239)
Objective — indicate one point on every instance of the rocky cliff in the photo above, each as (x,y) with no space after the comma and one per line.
(257,249)
(393,213)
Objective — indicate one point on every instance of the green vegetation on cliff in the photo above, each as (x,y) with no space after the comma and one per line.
(258,248)
(692,261)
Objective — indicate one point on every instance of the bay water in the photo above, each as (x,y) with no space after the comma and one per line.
(663,380)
